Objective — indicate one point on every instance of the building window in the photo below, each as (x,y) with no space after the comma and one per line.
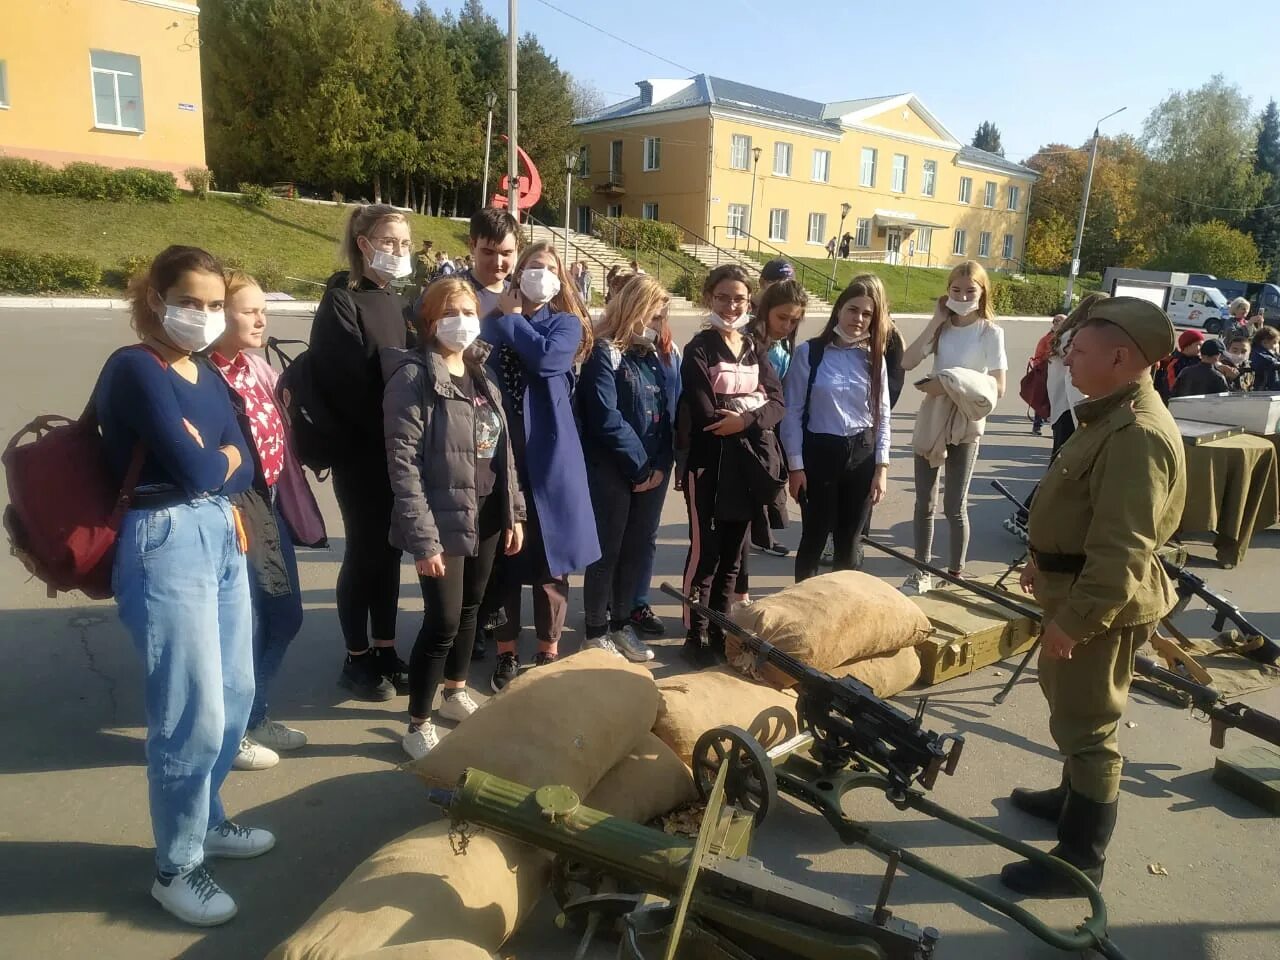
(1008,246)
(737,224)
(652,153)
(778,225)
(782,159)
(899,173)
(966,189)
(929,179)
(649,211)
(957,244)
(822,166)
(740,152)
(924,239)
(1014,193)
(4,86)
(984,244)
(868,178)
(862,238)
(614,210)
(584,162)
(117,90)
(989,196)
(615,156)
(818,228)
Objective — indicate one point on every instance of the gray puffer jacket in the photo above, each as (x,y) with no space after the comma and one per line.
(429,427)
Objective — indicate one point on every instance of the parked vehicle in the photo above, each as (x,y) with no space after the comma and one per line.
(1263,297)
(1187,305)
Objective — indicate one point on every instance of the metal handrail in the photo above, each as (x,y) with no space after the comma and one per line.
(599,220)
(731,256)
(821,282)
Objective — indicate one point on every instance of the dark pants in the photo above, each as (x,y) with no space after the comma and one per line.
(1063,428)
(276,621)
(369,579)
(550,594)
(715,550)
(838,475)
(451,602)
(626,523)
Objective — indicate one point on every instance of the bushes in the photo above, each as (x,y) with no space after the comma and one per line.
(254,195)
(689,286)
(87,181)
(200,180)
(1021,298)
(632,233)
(47,272)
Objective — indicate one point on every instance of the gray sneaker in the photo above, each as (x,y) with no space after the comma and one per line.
(631,646)
(602,642)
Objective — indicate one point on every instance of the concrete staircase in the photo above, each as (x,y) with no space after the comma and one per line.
(711,257)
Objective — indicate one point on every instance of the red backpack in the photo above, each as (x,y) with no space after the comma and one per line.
(1034,388)
(65,505)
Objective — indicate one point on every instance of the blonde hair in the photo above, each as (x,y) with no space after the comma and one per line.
(971,270)
(630,311)
(362,222)
(432,306)
(238,280)
(1238,305)
(567,300)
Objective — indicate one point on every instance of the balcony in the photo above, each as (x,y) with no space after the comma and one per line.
(609,182)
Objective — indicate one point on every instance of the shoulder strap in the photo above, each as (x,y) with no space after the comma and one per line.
(816,348)
(273,346)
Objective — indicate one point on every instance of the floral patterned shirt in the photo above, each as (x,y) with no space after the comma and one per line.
(265,423)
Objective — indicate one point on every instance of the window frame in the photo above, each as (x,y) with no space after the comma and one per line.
(924,239)
(652,154)
(617,150)
(896,184)
(984,245)
(862,233)
(745,140)
(741,210)
(115,75)
(959,242)
(989,195)
(610,208)
(776,235)
(782,146)
(966,190)
(644,210)
(584,161)
(863,179)
(4,85)
(1007,249)
(1015,194)
(826,166)
(928,178)
(822,231)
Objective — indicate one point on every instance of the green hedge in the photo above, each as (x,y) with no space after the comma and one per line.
(46,273)
(1020,298)
(689,286)
(632,232)
(87,181)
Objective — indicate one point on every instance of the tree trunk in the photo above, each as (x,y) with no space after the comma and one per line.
(455,202)
(408,191)
(426,197)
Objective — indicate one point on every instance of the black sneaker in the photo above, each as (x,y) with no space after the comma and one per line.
(542,659)
(481,645)
(508,669)
(393,668)
(775,548)
(696,652)
(362,676)
(646,621)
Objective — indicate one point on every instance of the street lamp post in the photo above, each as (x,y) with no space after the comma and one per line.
(751,211)
(570,160)
(844,212)
(513,157)
(490,99)
(1084,209)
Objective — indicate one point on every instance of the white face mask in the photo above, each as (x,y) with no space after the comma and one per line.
(192,330)
(649,335)
(721,323)
(539,284)
(962,308)
(458,330)
(389,266)
(1238,358)
(851,340)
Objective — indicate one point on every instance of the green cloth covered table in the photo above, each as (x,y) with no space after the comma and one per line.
(1233,488)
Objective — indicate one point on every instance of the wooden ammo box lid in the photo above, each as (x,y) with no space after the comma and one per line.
(968,632)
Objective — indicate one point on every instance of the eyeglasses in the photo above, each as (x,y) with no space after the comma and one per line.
(723,300)
(391,243)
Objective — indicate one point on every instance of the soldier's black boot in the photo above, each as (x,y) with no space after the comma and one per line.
(1042,804)
(715,642)
(1084,830)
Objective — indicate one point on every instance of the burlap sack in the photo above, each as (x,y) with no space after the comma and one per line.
(566,723)
(693,703)
(885,675)
(416,888)
(646,783)
(429,950)
(826,621)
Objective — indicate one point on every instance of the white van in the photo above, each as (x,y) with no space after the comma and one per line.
(1187,305)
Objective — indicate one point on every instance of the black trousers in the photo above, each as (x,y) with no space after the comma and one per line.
(1063,428)
(715,552)
(838,475)
(369,579)
(452,603)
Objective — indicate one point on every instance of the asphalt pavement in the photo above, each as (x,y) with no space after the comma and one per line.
(75,840)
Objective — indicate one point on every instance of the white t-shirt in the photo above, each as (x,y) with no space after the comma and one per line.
(978,346)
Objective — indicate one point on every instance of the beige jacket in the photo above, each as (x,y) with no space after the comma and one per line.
(958,417)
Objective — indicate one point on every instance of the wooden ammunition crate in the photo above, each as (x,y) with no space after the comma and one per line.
(969,632)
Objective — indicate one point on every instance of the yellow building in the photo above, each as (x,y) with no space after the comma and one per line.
(735,164)
(115,82)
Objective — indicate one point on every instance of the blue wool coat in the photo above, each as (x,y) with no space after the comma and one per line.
(553,469)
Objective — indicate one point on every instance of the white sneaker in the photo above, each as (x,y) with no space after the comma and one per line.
(631,646)
(601,643)
(271,733)
(918,583)
(194,898)
(418,743)
(457,707)
(234,842)
(254,756)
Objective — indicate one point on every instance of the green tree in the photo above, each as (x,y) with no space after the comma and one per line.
(1212,247)
(987,137)
(1263,223)
(237,97)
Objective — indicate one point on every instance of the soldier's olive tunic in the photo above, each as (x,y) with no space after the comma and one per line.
(1112,496)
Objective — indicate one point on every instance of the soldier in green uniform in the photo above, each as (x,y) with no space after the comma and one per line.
(1111,498)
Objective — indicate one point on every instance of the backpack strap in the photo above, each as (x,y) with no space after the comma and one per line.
(273,346)
(816,348)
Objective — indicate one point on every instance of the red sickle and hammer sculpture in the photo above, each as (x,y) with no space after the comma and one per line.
(530,187)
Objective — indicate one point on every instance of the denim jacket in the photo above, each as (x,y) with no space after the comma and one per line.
(625,414)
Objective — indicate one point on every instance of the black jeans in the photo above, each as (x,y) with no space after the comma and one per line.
(1063,428)
(838,475)
(715,552)
(369,579)
(451,602)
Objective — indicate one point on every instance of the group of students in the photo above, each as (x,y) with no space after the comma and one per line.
(469,428)
(1247,357)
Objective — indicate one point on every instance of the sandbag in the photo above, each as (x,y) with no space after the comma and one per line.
(566,723)
(416,888)
(827,621)
(646,783)
(886,675)
(693,703)
(429,950)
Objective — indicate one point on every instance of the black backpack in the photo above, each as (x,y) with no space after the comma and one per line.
(315,431)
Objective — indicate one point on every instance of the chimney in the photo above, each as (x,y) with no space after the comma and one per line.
(646,93)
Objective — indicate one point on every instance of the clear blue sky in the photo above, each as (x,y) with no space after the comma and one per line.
(1043,72)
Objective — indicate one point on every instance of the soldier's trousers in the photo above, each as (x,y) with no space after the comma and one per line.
(1087,695)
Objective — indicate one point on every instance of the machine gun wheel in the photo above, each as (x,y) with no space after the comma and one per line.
(751,784)
(573,880)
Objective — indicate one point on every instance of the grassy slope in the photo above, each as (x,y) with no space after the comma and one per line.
(297,239)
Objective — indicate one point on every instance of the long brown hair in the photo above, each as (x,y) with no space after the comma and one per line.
(362,222)
(165,270)
(783,293)
(878,335)
(1075,319)
(567,300)
(630,311)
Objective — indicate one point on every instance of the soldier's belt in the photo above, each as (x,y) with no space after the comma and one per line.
(1058,562)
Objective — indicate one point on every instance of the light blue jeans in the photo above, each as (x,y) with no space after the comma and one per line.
(183,593)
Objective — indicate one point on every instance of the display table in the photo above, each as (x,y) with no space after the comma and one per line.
(1233,488)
